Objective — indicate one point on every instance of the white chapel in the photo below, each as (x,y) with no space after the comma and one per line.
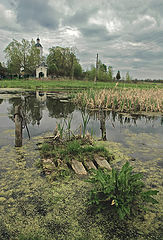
(41,70)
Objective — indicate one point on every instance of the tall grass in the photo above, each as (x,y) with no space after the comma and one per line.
(122,100)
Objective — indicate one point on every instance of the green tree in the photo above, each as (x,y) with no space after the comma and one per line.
(3,70)
(90,74)
(22,57)
(78,70)
(63,62)
(110,73)
(102,73)
(102,67)
(118,76)
(128,77)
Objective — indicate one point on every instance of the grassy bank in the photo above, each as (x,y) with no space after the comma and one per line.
(67,83)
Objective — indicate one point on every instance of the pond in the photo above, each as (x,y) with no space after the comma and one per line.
(30,205)
(142,134)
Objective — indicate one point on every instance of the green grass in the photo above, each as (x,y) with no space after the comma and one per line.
(74,149)
(61,152)
(67,83)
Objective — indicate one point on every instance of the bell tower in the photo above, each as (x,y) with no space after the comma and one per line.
(41,70)
(39,46)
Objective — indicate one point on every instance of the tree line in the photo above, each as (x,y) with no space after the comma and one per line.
(23,57)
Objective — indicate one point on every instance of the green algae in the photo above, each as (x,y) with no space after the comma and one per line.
(34,207)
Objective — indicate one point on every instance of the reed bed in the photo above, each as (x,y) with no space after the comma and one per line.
(122,100)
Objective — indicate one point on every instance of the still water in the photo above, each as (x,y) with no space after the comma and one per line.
(42,115)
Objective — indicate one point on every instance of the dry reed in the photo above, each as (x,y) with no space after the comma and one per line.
(123,100)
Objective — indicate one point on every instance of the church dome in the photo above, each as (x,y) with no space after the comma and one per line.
(38,43)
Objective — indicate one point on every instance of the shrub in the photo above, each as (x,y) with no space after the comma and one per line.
(121,190)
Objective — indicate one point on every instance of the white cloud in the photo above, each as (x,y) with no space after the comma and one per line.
(108,19)
(72,32)
(145,22)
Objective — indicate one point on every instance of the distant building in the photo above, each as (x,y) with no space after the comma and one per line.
(41,70)
(39,46)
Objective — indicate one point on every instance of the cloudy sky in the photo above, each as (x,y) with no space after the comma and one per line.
(127,34)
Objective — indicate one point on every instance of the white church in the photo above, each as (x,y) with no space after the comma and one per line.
(41,70)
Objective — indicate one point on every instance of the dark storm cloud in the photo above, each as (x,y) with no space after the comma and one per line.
(31,13)
(127,34)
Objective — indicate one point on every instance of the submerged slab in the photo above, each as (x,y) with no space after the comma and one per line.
(78,167)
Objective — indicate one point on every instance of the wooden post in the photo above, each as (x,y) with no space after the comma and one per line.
(18,126)
(96,70)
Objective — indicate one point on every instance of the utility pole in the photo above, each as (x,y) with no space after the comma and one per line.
(96,70)
(72,74)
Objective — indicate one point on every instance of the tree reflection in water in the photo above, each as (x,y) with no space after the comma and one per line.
(33,111)
(33,108)
(59,109)
(105,117)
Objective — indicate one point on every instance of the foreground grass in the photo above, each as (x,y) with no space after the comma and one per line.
(67,83)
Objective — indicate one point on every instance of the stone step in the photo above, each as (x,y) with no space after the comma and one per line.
(90,165)
(103,163)
(78,167)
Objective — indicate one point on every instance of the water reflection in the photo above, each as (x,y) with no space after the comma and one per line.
(41,96)
(1,101)
(42,115)
(102,115)
(59,109)
(112,124)
(123,118)
(33,108)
